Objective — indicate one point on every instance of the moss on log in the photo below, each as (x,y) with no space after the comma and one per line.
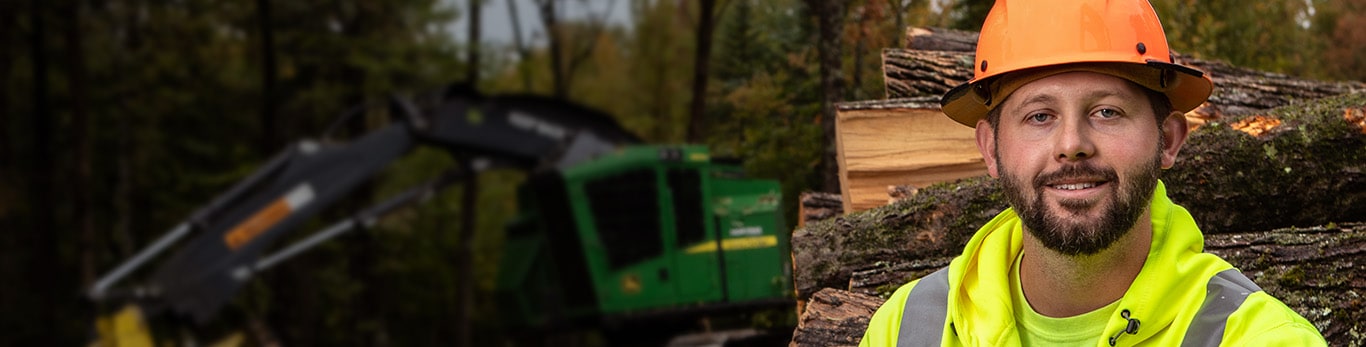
(1305,171)
(936,222)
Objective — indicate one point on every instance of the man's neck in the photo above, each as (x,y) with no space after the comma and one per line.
(1059,285)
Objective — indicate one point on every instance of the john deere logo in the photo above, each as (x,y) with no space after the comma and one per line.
(630,284)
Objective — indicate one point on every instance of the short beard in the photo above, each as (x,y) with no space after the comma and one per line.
(1074,239)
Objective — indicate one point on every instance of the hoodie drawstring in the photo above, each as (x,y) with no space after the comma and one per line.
(1131,328)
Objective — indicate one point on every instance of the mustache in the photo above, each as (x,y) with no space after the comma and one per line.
(1076,171)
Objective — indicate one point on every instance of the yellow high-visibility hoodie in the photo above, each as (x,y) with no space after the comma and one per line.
(1167,304)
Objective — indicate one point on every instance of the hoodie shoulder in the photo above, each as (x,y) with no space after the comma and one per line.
(1263,320)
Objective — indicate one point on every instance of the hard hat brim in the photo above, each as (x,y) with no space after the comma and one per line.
(1185,87)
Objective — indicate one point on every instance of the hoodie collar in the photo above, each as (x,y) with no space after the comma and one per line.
(980,293)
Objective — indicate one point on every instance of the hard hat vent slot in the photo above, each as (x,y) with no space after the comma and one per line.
(1142,49)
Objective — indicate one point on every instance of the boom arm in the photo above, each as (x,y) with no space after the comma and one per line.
(235,229)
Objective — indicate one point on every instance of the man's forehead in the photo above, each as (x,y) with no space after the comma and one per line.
(1075,84)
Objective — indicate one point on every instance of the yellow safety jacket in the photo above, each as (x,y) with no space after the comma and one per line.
(1182,297)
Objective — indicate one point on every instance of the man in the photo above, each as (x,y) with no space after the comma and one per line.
(1077,106)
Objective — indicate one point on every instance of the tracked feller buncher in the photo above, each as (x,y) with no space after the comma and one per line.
(610,234)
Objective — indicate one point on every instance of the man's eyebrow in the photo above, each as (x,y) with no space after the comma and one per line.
(1039,98)
(1092,95)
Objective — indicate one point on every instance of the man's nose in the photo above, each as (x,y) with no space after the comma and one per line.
(1073,140)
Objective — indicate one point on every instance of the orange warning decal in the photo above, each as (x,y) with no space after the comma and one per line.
(258,223)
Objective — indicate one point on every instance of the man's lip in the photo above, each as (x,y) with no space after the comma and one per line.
(1096,181)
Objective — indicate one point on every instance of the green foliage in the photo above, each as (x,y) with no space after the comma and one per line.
(969,14)
(1281,35)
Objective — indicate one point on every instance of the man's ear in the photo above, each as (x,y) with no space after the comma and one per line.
(1174,131)
(986,143)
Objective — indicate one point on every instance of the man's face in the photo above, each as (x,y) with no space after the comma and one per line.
(1078,154)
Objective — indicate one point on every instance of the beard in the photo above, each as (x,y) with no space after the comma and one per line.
(1082,237)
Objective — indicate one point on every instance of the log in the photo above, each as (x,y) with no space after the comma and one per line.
(940,39)
(915,73)
(1283,262)
(835,318)
(899,142)
(1237,91)
(1307,170)
(818,206)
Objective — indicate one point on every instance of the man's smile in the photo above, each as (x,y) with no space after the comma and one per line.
(1076,187)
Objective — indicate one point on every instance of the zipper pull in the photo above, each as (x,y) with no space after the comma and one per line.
(1131,328)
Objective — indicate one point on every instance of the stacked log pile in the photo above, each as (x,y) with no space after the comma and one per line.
(1275,175)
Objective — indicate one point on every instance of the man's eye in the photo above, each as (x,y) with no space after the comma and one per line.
(1107,113)
(1038,117)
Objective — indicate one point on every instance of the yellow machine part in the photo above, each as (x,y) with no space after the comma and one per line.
(122,329)
(128,328)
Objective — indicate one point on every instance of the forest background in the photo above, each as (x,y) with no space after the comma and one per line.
(119,118)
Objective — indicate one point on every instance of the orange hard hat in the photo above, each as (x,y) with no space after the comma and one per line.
(1022,41)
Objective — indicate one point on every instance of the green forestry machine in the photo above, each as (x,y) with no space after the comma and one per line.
(610,233)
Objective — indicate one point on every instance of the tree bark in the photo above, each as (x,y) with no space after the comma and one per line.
(835,318)
(940,39)
(817,206)
(918,73)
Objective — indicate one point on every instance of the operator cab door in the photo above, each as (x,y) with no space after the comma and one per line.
(697,275)
(631,269)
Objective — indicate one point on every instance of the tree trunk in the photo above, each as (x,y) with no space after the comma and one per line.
(830,15)
(464,257)
(83,182)
(706,24)
(558,75)
(523,53)
(43,277)
(472,69)
(270,138)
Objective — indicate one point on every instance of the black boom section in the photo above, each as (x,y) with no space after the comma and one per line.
(232,232)
(199,279)
(525,131)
